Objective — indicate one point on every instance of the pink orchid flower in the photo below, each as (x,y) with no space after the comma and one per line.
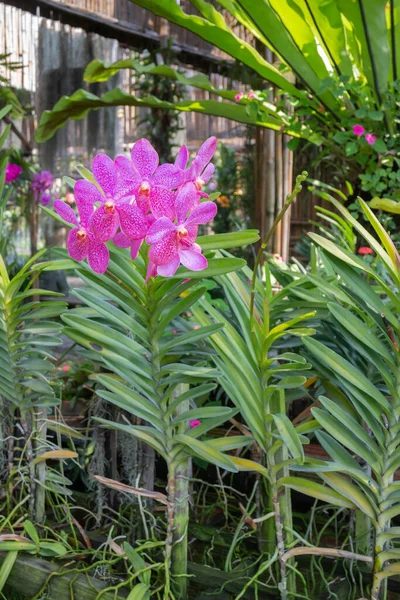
(358,130)
(121,240)
(81,242)
(115,208)
(201,170)
(370,138)
(151,184)
(175,243)
(194,423)
(238,97)
(12,172)
(251,95)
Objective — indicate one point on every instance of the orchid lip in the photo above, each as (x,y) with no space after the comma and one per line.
(199,183)
(81,234)
(145,188)
(109,206)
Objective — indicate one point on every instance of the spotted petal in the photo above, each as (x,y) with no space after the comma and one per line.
(206,151)
(127,170)
(86,195)
(104,224)
(186,199)
(193,260)
(169,176)
(144,158)
(159,229)
(121,240)
(208,172)
(202,214)
(65,212)
(165,249)
(132,220)
(105,173)
(182,158)
(98,256)
(162,202)
(78,247)
(169,269)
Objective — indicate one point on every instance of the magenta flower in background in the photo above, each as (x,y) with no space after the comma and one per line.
(175,243)
(238,97)
(251,95)
(81,242)
(151,184)
(370,138)
(194,423)
(115,210)
(12,172)
(41,182)
(45,199)
(358,130)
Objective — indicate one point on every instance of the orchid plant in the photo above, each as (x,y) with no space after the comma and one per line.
(135,298)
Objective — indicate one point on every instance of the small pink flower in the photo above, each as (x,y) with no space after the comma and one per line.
(81,242)
(66,368)
(175,243)
(201,170)
(358,130)
(251,95)
(370,138)
(365,250)
(194,423)
(69,198)
(151,184)
(12,172)
(238,97)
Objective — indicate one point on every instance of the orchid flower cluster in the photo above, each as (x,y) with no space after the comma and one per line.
(135,199)
(41,185)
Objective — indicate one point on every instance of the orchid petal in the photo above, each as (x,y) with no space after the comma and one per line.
(65,212)
(208,172)
(86,195)
(182,158)
(151,271)
(144,158)
(132,220)
(162,202)
(193,260)
(202,214)
(170,268)
(165,249)
(159,229)
(185,201)
(126,170)
(121,240)
(206,151)
(98,256)
(169,176)
(135,247)
(104,224)
(78,247)
(105,173)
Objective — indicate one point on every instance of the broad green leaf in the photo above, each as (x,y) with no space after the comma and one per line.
(345,369)
(290,436)
(137,562)
(141,591)
(316,490)
(354,494)
(235,239)
(206,452)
